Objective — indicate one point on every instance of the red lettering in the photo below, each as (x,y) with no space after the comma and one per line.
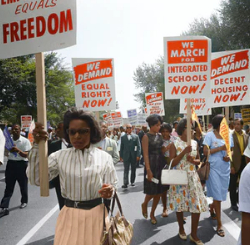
(66,21)
(30,28)
(41,26)
(53,18)
(3,2)
(13,30)
(23,29)
(18,9)
(5,32)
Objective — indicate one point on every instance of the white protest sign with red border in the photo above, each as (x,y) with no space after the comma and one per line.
(230,78)
(155,104)
(187,67)
(94,84)
(201,106)
(29,27)
(26,121)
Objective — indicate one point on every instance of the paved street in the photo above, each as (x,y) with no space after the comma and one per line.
(35,225)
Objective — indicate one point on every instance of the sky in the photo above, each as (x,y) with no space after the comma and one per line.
(131,32)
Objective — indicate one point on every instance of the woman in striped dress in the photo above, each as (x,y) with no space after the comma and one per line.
(86,173)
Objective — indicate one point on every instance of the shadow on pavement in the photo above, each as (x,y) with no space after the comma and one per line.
(45,241)
(233,215)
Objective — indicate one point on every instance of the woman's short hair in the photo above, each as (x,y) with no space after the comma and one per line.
(75,114)
(153,120)
(217,120)
(166,126)
(182,125)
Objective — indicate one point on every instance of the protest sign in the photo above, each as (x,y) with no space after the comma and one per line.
(8,140)
(201,106)
(141,119)
(132,116)
(155,104)
(187,67)
(29,27)
(237,116)
(94,84)
(230,77)
(224,132)
(106,116)
(30,135)
(245,113)
(26,121)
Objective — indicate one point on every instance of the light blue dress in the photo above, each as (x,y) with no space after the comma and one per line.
(218,181)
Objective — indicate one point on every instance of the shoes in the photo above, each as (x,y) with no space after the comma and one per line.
(183,236)
(221,232)
(133,184)
(145,215)
(199,242)
(235,208)
(4,211)
(23,205)
(125,186)
(153,221)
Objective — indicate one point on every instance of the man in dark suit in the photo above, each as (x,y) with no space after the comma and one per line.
(130,153)
(53,147)
(238,162)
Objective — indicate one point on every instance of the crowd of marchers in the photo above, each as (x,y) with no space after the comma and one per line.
(82,154)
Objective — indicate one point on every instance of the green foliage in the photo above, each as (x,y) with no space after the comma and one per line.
(18,88)
(149,79)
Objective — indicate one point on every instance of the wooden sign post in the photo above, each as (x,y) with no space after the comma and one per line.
(42,118)
(188,122)
(227,113)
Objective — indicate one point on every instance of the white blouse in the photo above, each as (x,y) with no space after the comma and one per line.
(82,173)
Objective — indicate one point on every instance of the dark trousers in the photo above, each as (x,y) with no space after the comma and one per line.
(234,195)
(127,165)
(56,184)
(15,171)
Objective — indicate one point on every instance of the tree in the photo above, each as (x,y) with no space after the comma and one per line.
(149,79)
(18,87)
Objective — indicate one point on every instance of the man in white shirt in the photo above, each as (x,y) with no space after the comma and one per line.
(16,170)
(2,144)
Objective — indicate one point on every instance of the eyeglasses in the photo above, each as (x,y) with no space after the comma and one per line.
(81,131)
(128,127)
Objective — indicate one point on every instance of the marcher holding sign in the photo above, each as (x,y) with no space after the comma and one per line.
(230,78)
(88,175)
(190,197)
(94,84)
(218,181)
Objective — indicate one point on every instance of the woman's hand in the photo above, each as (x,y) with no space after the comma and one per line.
(226,158)
(106,191)
(223,148)
(39,133)
(149,175)
(190,159)
(188,149)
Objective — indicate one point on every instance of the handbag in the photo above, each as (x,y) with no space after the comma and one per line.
(204,169)
(120,231)
(173,176)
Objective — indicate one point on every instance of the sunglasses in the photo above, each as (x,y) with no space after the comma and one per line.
(81,131)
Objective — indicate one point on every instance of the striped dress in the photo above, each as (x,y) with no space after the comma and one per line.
(82,174)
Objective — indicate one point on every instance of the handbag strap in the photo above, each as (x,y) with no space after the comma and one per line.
(170,164)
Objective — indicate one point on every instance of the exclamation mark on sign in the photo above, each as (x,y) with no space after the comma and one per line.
(109,101)
(208,110)
(243,95)
(203,86)
(203,106)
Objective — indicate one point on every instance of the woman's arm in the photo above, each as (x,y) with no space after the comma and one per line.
(145,156)
(215,150)
(195,161)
